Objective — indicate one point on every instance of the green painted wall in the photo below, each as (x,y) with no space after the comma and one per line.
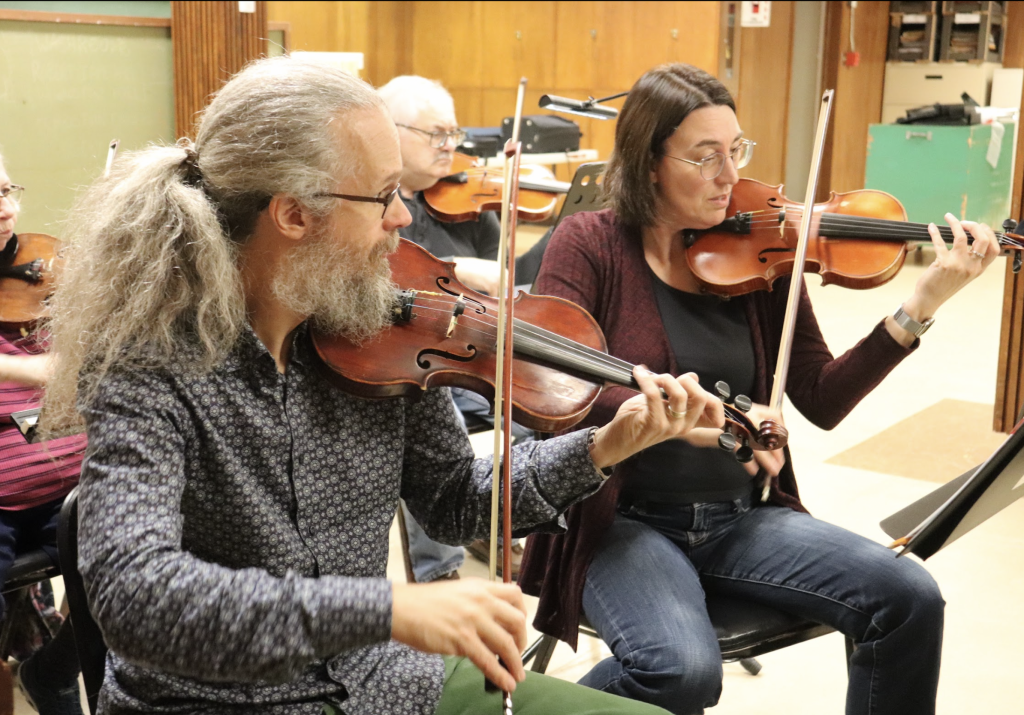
(65,92)
(133,9)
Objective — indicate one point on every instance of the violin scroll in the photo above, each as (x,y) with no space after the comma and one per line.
(740,430)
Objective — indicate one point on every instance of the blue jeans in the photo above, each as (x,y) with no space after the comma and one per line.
(430,559)
(645,589)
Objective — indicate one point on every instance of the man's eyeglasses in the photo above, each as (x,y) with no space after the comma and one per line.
(386,199)
(439,138)
(12,193)
(712,166)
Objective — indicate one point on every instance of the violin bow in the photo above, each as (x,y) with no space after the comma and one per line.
(796,282)
(503,368)
(111,154)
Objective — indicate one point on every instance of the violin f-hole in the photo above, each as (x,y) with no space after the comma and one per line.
(424,363)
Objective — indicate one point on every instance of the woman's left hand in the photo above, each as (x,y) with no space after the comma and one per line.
(953,267)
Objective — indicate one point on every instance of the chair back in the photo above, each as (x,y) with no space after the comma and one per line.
(92,651)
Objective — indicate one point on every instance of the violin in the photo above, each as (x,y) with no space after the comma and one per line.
(28,266)
(857,239)
(473,188)
(444,333)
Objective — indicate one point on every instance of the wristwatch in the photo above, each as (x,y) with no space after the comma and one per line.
(910,325)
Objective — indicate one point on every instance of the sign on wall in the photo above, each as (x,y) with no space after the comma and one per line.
(755,14)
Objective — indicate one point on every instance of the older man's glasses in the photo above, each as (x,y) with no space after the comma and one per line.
(12,193)
(712,166)
(439,138)
(386,199)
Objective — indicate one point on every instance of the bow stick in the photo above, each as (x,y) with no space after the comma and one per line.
(796,282)
(111,153)
(503,378)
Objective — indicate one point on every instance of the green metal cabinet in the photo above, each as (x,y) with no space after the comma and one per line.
(935,169)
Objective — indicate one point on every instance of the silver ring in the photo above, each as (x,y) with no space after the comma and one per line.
(976,254)
(674,414)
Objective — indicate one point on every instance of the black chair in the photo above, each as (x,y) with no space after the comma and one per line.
(744,629)
(28,568)
(92,651)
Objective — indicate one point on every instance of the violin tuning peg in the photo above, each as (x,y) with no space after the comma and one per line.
(744,454)
(743,403)
(727,441)
(723,389)
(1009,225)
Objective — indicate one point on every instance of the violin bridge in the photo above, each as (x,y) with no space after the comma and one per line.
(457,311)
(782,223)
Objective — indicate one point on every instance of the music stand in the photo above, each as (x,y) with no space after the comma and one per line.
(585,191)
(949,512)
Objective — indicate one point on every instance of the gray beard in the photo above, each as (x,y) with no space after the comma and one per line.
(343,294)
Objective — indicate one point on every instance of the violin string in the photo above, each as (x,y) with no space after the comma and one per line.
(795,215)
(882,227)
(557,346)
(617,370)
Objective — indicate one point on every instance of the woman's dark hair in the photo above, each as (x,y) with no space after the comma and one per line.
(658,103)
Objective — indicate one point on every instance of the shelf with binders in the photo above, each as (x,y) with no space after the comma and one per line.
(912,36)
(913,7)
(951,7)
(972,36)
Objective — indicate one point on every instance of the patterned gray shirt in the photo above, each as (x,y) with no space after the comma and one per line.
(234,533)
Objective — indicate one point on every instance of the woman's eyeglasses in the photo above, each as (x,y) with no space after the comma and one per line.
(712,166)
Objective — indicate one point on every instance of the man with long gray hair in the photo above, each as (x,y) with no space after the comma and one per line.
(235,507)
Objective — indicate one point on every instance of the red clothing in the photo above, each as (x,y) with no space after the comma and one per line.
(31,474)
(595,261)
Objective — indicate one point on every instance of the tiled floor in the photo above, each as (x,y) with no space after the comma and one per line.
(982,576)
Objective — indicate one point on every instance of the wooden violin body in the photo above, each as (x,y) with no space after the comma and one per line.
(857,240)
(473,189)
(444,334)
(419,350)
(28,267)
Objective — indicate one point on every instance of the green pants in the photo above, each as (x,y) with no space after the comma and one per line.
(464,694)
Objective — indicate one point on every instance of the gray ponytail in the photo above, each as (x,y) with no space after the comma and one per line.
(151,249)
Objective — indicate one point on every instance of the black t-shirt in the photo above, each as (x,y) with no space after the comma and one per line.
(476,239)
(711,337)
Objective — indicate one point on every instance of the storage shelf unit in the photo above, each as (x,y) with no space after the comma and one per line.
(972,31)
(913,31)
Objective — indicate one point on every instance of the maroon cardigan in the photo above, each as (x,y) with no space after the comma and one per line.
(595,261)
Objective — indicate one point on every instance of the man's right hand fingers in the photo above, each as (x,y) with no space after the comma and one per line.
(484,659)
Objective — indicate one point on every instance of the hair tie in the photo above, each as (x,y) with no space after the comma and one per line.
(193,175)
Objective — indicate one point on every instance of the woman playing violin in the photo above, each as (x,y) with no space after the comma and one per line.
(34,482)
(640,555)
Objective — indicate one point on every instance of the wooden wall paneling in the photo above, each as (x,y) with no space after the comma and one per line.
(210,42)
(354,28)
(858,100)
(468,107)
(1009,392)
(520,43)
(448,42)
(615,43)
(696,34)
(314,24)
(763,103)
(390,51)
(575,37)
